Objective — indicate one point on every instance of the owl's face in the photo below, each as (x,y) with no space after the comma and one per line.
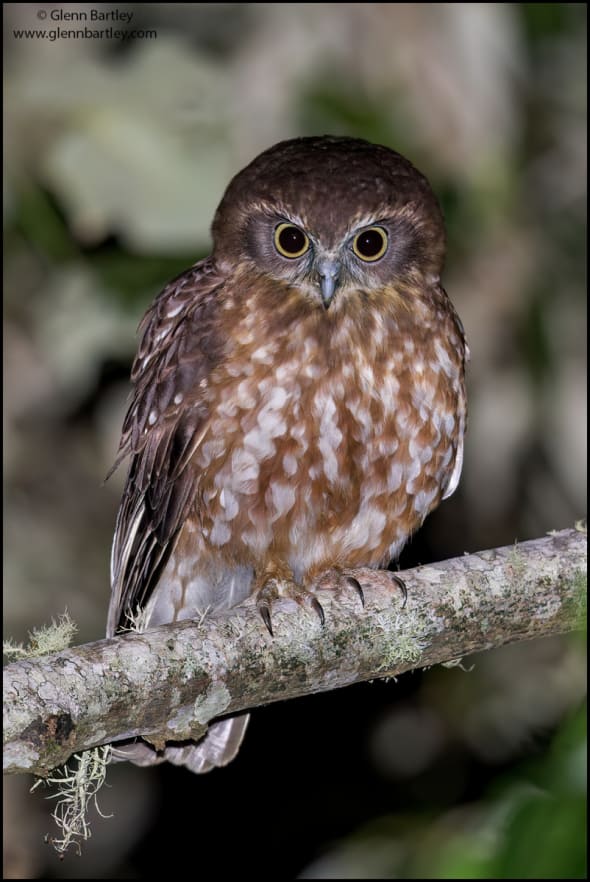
(333,217)
(370,252)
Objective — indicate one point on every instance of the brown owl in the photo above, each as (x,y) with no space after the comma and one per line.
(299,401)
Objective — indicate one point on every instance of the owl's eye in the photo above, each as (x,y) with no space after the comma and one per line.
(290,241)
(370,244)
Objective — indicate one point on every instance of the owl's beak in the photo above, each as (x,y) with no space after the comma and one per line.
(329,273)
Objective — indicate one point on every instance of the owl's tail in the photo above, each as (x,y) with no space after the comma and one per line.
(217,748)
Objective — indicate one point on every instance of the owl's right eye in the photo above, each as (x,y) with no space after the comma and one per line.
(290,241)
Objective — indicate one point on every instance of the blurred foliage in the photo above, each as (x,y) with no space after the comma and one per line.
(530,824)
(124,277)
(533,823)
(115,158)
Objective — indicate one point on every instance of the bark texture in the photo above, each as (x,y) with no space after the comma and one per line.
(167,684)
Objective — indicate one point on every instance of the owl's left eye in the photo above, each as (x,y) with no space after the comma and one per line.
(290,241)
(370,244)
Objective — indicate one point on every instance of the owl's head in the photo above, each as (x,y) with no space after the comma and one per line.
(331,214)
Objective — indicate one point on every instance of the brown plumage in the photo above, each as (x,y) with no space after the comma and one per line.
(299,400)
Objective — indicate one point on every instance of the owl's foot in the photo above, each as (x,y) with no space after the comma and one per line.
(339,584)
(277,582)
(275,587)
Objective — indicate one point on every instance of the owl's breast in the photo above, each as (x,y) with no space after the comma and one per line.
(327,456)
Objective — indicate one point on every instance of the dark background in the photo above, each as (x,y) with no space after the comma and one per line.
(116,154)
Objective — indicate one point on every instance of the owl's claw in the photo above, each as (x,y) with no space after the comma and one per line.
(264,611)
(317,606)
(402,586)
(274,588)
(265,599)
(340,584)
(354,583)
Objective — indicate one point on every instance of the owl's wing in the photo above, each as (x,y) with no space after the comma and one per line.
(455,475)
(179,347)
(457,466)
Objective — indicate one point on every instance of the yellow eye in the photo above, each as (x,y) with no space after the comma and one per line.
(370,244)
(290,241)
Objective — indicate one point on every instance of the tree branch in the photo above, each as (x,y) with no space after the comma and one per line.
(169,682)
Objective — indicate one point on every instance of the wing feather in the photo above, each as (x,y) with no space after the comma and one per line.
(457,465)
(166,419)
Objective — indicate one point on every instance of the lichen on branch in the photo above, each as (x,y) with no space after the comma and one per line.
(169,682)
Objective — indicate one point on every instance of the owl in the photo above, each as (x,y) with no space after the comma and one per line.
(298,399)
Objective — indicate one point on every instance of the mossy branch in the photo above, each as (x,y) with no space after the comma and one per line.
(167,684)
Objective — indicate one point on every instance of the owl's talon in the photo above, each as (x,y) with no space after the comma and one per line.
(354,583)
(402,586)
(264,611)
(276,587)
(317,606)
